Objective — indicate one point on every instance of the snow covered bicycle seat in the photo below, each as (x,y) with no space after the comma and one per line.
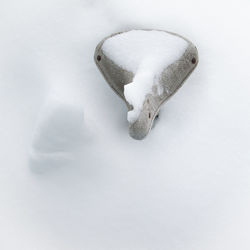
(145,68)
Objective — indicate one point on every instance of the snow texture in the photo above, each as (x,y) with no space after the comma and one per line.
(71,178)
(60,130)
(146,54)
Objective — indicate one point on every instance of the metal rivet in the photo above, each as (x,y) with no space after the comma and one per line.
(193,60)
(99,58)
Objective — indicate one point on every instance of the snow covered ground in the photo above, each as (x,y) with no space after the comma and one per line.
(71,178)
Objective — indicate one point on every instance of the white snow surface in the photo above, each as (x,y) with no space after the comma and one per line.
(71,177)
(146,53)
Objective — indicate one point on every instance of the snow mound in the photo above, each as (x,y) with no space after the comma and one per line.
(146,54)
(60,131)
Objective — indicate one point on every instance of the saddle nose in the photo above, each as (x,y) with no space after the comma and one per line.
(145,68)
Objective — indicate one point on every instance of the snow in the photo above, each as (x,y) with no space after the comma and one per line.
(145,53)
(186,186)
(60,131)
